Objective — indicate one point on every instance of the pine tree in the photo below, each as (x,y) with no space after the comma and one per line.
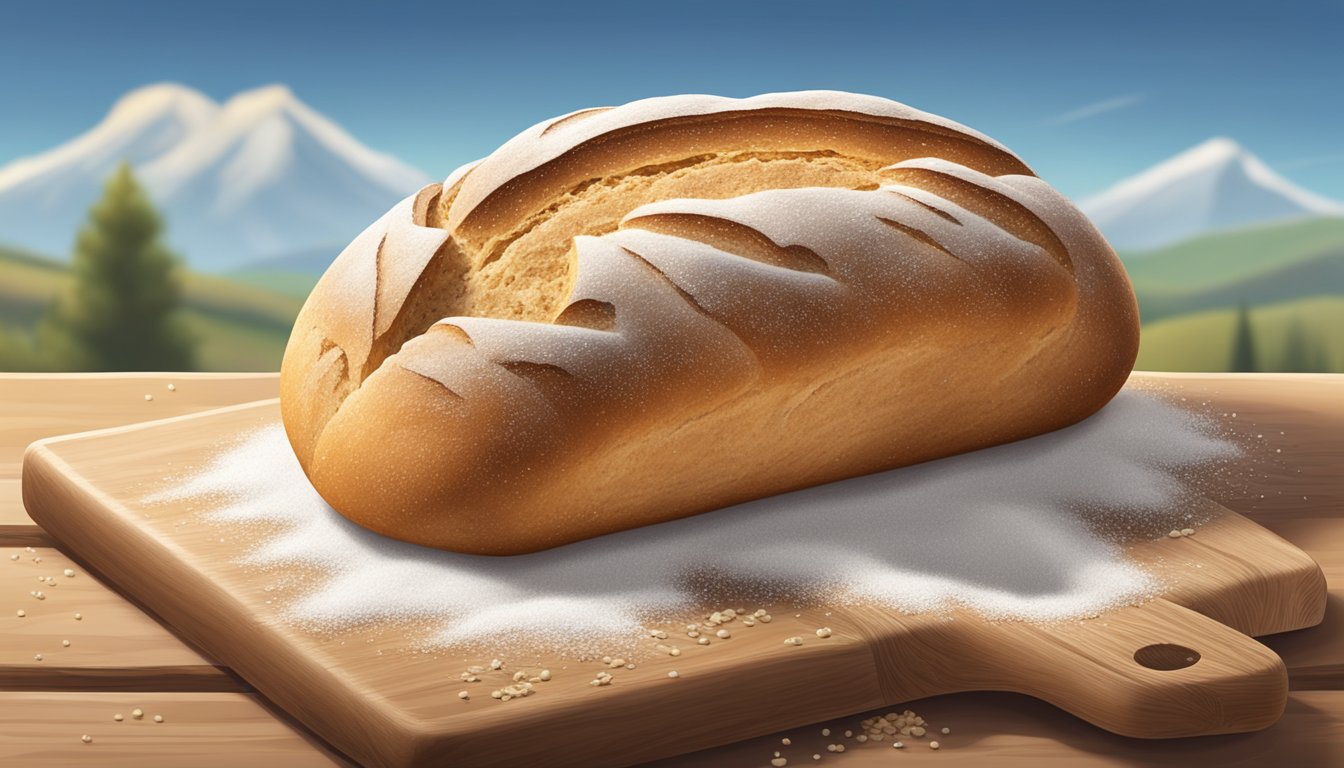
(1297,351)
(1243,343)
(122,312)
(1304,351)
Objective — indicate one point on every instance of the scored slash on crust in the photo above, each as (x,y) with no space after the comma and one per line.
(609,280)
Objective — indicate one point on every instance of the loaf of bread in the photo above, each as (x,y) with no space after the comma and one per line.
(628,315)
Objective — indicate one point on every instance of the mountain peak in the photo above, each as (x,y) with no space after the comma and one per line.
(151,101)
(263,174)
(1216,184)
(1218,146)
(264,100)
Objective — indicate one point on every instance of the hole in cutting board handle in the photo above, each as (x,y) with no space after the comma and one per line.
(1166,656)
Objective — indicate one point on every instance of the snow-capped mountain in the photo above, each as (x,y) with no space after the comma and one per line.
(1213,186)
(261,175)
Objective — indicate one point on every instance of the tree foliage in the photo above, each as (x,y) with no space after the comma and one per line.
(1303,351)
(1243,343)
(121,314)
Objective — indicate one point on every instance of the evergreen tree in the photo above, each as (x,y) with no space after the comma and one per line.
(1321,362)
(1304,351)
(1297,352)
(1243,343)
(122,312)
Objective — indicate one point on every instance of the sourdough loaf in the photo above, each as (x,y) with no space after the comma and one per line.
(633,314)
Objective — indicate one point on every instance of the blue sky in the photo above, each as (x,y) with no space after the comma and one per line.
(1085,92)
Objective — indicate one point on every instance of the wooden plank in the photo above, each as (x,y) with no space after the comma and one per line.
(114,645)
(1012,731)
(994,729)
(202,730)
(86,490)
(1020,729)
(38,405)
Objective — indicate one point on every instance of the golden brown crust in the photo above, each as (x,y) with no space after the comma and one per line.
(634,314)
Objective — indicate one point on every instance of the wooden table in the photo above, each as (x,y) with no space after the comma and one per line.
(119,658)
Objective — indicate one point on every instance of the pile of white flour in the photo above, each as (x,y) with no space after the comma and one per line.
(1014,532)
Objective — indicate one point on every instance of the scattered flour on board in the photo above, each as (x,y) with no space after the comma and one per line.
(1014,532)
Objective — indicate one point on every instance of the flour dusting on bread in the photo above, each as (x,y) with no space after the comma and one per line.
(633,314)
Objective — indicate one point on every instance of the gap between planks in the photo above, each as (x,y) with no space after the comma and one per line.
(114,645)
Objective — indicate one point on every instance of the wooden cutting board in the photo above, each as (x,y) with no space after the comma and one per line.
(1179,665)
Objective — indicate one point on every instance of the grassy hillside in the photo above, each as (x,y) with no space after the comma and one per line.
(1291,272)
(1220,260)
(1188,293)
(240,327)
(296,285)
(1202,341)
(1319,275)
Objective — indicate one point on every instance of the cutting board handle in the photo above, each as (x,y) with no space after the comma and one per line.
(1155,670)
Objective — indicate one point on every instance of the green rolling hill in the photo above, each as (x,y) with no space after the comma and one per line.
(1311,275)
(1287,273)
(1202,341)
(1226,258)
(240,327)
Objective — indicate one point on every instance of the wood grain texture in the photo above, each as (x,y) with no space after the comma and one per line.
(1089,669)
(1003,730)
(1293,486)
(202,730)
(38,405)
(991,729)
(114,645)
(1015,730)
(79,489)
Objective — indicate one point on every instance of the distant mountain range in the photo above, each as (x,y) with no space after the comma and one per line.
(1214,186)
(261,175)
(265,186)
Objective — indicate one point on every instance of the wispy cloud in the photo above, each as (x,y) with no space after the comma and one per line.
(1096,108)
(1304,162)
